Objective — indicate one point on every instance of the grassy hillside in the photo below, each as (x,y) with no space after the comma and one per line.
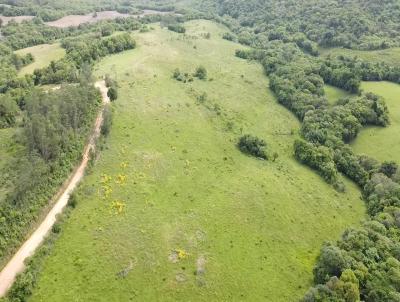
(172,210)
(390,56)
(43,55)
(382,143)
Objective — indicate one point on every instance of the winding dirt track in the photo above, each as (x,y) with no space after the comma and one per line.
(16,264)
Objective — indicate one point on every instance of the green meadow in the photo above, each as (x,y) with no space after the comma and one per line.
(43,54)
(333,94)
(172,211)
(382,143)
(390,56)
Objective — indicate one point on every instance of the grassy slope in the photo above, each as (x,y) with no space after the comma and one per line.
(257,225)
(333,94)
(382,143)
(43,55)
(390,56)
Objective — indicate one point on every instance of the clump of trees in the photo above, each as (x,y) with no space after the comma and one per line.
(8,111)
(176,27)
(21,61)
(253,145)
(229,36)
(79,54)
(200,73)
(80,51)
(182,76)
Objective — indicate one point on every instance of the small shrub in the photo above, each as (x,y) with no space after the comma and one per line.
(201,73)
(202,97)
(229,37)
(72,201)
(254,146)
(182,77)
(107,121)
(176,74)
(109,81)
(56,228)
(112,93)
(243,54)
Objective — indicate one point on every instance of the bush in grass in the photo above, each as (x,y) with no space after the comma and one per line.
(229,37)
(72,201)
(252,145)
(112,93)
(176,74)
(201,73)
(109,81)
(107,121)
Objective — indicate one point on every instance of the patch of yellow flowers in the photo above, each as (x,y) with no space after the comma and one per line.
(117,206)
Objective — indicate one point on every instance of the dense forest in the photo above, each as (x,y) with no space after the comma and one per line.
(52,125)
(286,37)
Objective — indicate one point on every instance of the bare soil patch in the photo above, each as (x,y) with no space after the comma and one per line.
(76,20)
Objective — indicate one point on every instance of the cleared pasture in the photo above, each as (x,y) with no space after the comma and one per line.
(172,211)
(43,55)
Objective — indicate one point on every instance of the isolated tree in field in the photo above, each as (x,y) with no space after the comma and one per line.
(112,93)
(201,73)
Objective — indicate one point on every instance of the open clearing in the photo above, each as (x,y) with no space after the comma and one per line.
(382,143)
(333,94)
(172,211)
(390,56)
(43,54)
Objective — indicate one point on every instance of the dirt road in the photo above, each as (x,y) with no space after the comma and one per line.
(16,264)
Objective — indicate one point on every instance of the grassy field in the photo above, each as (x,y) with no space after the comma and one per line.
(43,54)
(333,94)
(382,143)
(390,56)
(172,211)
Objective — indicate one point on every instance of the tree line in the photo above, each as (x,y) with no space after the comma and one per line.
(364,263)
